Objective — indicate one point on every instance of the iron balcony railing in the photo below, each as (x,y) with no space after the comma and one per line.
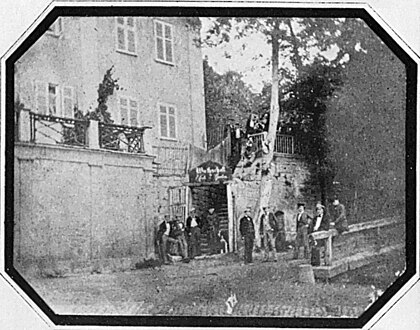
(284,144)
(57,130)
(121,137)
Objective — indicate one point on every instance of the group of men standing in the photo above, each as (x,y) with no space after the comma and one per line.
(305,225)
(187,238)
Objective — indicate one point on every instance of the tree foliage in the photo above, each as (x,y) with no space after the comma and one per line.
(228,100)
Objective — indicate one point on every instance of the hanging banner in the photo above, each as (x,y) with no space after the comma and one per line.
(210,172)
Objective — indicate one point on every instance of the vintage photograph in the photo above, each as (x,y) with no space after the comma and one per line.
(231,166)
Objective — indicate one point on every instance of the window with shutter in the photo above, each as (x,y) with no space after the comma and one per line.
(126,35)
(167,121)
(164,42)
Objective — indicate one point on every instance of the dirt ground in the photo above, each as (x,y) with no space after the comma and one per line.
(202,287)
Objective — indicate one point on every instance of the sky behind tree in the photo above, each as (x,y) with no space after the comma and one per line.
(243,56)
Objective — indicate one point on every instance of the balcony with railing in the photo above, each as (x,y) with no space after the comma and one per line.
(57,130)
(46,129)
(284,144)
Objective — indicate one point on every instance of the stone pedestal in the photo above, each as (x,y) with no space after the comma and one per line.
(306,274)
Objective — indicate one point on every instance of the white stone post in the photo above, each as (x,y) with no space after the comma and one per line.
(92,135)
(147,142)
(231,220)
(24,125)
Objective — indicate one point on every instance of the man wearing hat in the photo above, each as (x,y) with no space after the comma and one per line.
(193,229)
(321,221)
(340,222)
(213,224)
(246,228)
(302,231)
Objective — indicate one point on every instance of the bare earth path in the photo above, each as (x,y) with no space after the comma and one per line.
(202,287)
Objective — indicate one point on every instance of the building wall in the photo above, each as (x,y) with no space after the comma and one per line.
(80,56)
(81,209)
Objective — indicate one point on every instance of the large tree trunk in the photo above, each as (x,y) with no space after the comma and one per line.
(267,159)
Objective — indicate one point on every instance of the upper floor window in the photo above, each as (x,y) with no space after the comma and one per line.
(126,35)
(54,100)
(56,28)
(129,111)
(167,121)
(164,42)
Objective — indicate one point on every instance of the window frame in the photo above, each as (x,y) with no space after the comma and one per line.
(167,106)
(129,108)
(43,87)
(126,28)
(165,61)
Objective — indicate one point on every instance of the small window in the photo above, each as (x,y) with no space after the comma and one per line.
(167,117)
(54,100)
(129,111)
(126,35)
(164,42)
(56,28)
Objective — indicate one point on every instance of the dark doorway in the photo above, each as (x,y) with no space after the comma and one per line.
(204,197)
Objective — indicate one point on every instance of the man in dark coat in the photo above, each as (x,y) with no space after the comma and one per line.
(268,232)
(281,234)
(246,228)
(321,219)
(163,237)
(213,225)
(193,229)
(302,230)
(178,233)
(340,219)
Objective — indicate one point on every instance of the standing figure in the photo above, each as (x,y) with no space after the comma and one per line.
(246,228)
(179,235)
(193,228)
(302,231)
(163,239)
(321,220)
(340,220)
(281,233)
(268,232)
(213,224)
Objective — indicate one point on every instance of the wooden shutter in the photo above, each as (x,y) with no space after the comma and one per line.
(159,41)
(163,122)
(172,122)
(168,43)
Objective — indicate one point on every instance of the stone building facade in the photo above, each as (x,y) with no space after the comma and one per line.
(87,207)
(156,62)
